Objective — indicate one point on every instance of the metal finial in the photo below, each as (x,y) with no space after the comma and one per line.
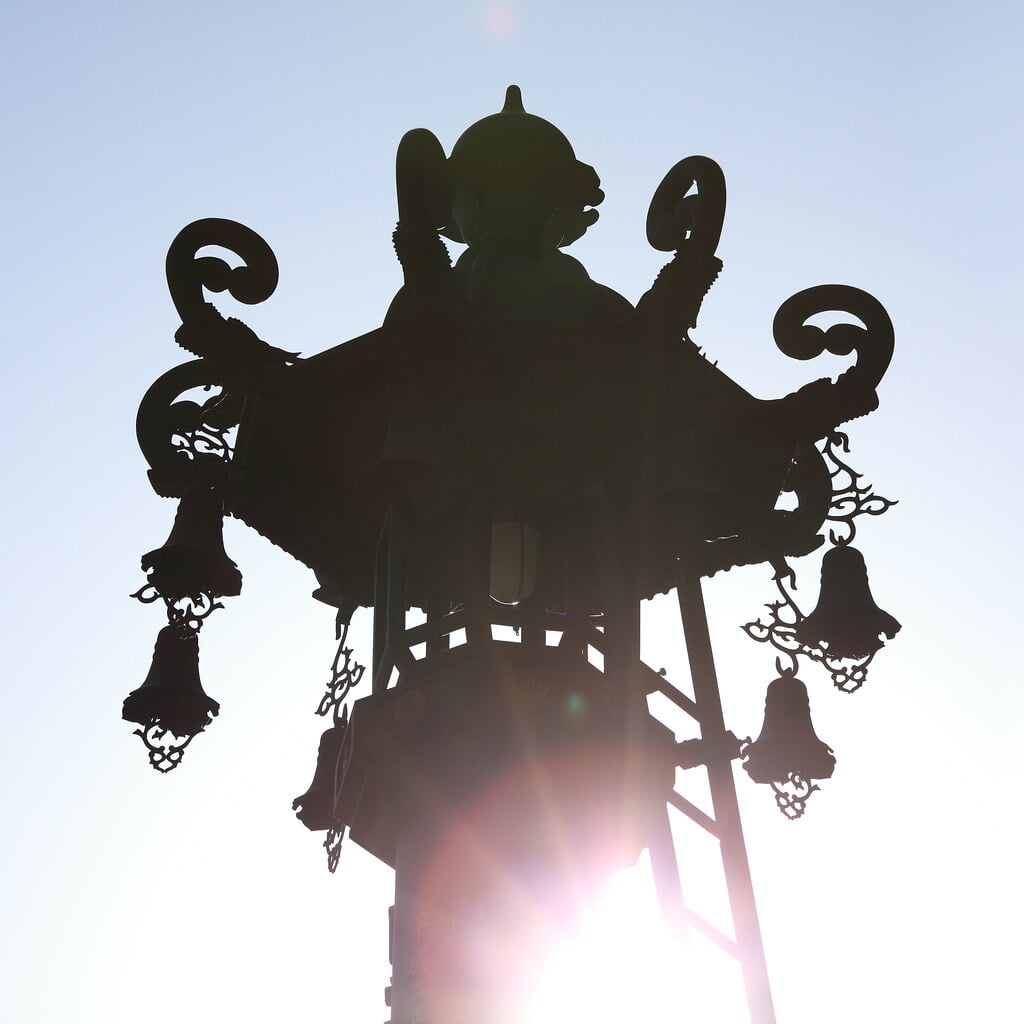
(513,101)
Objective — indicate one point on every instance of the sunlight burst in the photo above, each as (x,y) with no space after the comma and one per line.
(621,963)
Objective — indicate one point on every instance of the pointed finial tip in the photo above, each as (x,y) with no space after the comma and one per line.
(513,101)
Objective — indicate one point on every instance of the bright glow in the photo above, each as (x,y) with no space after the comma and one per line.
(500,20)
(621,963)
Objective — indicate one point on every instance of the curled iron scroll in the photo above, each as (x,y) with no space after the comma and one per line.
(680,220)
(188,274)
(873,342)
(184,442)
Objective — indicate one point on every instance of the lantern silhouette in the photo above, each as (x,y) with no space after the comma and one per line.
(846,621)
(192,560)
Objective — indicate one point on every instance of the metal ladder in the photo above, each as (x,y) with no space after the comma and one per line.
(723,824)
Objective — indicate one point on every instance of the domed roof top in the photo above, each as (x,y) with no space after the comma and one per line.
(509,143)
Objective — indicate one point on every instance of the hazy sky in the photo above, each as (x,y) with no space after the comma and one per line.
(874,144)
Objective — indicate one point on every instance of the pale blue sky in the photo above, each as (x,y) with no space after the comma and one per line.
(875,144)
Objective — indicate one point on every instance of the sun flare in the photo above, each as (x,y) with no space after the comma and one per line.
(621,963)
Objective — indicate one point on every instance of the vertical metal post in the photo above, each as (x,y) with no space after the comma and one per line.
(665,871)
(381,672)
(389,601)
(477,570)
(723,797)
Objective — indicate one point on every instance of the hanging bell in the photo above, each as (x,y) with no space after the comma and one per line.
(315,808)
(846,622)
(787,747)
(192,560)
(171,699)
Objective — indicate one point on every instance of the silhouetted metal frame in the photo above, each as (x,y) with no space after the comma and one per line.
(747,947)
(680,220)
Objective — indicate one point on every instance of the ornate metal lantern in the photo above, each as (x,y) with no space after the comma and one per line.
(503,471)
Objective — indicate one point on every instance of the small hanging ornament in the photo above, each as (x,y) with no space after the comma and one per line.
(846,622)
(192,561)
(315,808)
(170,706)
(788,754)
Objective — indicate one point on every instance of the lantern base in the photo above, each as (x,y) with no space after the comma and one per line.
(534,749)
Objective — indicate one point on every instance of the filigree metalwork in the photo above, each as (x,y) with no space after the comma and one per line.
(850,498)
(187,613)
(345,674)
(792,795)
(206,432)
(332,844)
(163,756)
(187,444)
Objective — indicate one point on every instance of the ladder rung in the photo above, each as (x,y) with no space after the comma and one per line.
(709,931)
(654,682)
(694,813)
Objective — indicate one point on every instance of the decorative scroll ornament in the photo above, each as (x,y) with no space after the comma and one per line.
(686,215)
(345,674)
(850,498)
(186,443)
(187,613)
(227,343)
